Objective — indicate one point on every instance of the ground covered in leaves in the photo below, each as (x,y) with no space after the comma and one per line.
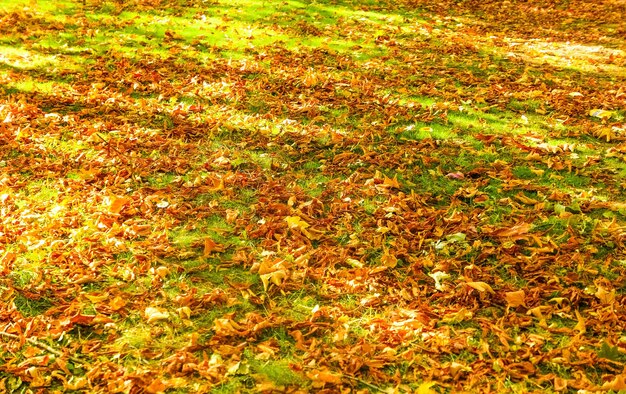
(405,196)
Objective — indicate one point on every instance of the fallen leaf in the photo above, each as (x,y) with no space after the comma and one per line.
(617,384)
(560,384)
(276,277)
(458,316)
(211,246)
(600,113)
(116,204)
(153,314)
(426,388)
(296,222)
(455,175)
(438,277)
(515,298)
(157,386)
(581,325)
(480,286)
(605,297)
(388,259)
(514,231)
(324,376)
(117,303)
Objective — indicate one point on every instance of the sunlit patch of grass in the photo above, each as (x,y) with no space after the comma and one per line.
(524,105)
(437,185)
(32,306)
(278,372)
(135,335)
(420,130)
(37,192)
(25,275)
(574,180)
(298,305)
(28,86)
(23,59)
(570,56)
(314,185)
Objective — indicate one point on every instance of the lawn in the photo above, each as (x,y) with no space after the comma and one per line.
(312,196)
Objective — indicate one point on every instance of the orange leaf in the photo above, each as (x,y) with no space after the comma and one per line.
(560,384)
(324,377)
(211,246)
(580,326)
(515,298)
(617,384)
(157,386)
(481,286)
(391,182)
(116,204)
(388,259)
(117,303)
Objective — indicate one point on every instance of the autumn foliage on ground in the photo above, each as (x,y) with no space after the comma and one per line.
(332,196)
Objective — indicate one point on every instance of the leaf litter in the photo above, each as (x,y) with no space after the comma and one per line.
(408,197)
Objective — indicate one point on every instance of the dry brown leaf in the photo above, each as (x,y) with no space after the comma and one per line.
(514,231)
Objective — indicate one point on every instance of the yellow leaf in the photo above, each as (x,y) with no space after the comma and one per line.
(481,286)
(269,265)
(275,277)
(388,259)
(184,312)
(75,383)
(606,297)
(580,326)
(438,277)
(296,222)
(354,263)
(117,303)
(515,298)
(560,384)
(600,113)
(426,388)
(97,298)
(458,316)
(617,384)
(525,200)
(226,327)
(391,182)
(162,271)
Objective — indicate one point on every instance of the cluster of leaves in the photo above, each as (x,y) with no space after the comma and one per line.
(406,196)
